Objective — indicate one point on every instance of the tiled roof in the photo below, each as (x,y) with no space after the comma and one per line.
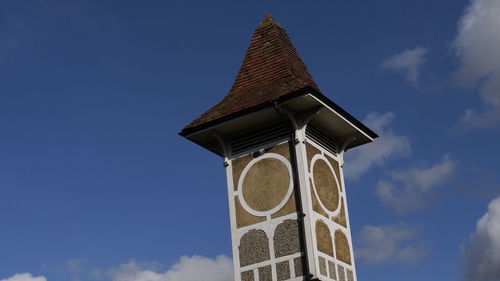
(271,68)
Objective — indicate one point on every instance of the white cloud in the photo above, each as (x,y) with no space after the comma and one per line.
(74,265)
(388,146)
(25,277)
(408,63)
(413,189)
(482,252)
(389,244)
(74,268)
(193,268)
(477,48)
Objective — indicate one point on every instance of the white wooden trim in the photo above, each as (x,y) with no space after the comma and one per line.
(304,177)
(311,174)
(347,121)
(348,223)
(306,201)
(257,148)
(332,226)
(242,178)
(232,218)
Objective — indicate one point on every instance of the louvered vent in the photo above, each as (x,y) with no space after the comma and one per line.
(259,137)
(324,141)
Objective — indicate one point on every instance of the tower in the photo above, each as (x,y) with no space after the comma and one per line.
(283,143)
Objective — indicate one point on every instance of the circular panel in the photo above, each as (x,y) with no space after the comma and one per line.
(326,185)
(266,184)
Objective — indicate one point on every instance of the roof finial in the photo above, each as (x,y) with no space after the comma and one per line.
(268,17)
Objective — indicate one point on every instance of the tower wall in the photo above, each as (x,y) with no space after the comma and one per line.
(264,216)
(269,187)
(327,208)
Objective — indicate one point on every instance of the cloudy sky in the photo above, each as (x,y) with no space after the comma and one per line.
(95,183)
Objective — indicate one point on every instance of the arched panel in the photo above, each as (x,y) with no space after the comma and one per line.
(254,247)
(286,238)
(324,238)
(342,247)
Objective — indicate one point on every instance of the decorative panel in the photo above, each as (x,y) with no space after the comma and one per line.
(238,165)
(265,184)
(267,233)
(266,230)
(325,184)
(342,248)
(322,266)
(297,264)
(324,238)
(247,276)
(265,273)
(329,213)
(244,218)
(331,270)
(283,270)
(254,247)
(350,275)
(336,167)
(289,208)
(286,238)
(341,273)
(310,152)
(341,217)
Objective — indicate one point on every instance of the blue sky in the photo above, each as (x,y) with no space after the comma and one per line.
(95,183)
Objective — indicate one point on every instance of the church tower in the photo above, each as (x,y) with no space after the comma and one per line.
(283,143)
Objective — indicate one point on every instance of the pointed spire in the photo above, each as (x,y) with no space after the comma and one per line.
(271,62)
(267,17)
(271,68)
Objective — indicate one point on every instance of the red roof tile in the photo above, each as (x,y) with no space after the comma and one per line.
(271,68)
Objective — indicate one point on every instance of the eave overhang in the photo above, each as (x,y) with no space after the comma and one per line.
(332,120)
